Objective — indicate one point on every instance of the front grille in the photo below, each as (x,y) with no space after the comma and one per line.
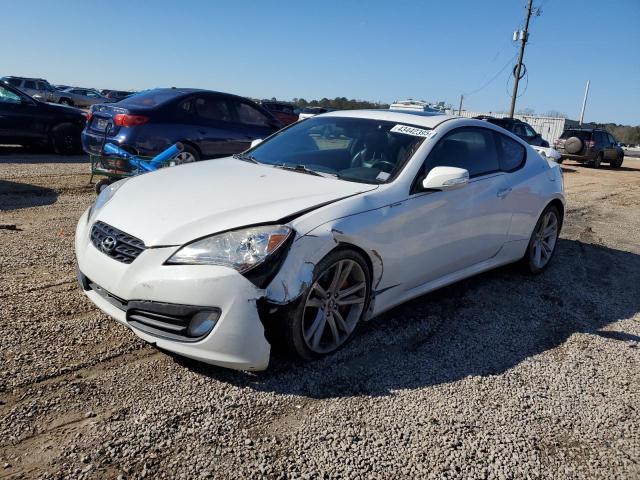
(115,243)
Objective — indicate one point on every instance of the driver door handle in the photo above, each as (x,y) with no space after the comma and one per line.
(504,192)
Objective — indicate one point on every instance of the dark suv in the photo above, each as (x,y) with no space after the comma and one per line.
(518,128)
(590,145)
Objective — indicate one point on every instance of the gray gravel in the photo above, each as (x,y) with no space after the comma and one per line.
(499,376)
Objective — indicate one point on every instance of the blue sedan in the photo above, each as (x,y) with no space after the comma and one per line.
(209,124)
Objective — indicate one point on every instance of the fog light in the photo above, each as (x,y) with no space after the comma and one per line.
(202,323)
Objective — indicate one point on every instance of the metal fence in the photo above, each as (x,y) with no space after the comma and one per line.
(549,127)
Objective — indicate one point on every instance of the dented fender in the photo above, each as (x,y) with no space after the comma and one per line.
(296,273)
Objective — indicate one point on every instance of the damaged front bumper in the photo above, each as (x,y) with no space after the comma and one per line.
(152,299)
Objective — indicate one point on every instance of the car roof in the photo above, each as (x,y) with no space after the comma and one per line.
(25,78)
(423,119)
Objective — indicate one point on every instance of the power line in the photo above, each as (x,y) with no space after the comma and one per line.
(492,78)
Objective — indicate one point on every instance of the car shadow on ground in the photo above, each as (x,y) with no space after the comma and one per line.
(485,325)
(17,154)
(15,195)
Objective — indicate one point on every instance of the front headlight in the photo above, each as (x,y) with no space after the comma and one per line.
(239,249)
(104,196)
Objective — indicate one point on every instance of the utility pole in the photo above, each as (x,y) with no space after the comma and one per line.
(523,42)
(584,102)
(460,107)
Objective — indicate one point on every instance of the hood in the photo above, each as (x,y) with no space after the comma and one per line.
(176,205)
(64,108)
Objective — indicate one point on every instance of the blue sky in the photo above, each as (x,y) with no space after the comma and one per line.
(372,50)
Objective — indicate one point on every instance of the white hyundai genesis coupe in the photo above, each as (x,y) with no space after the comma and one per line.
(325,224)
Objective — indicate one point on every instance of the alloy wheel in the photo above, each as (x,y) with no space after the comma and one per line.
(334,306)
(184,157)
(544,240)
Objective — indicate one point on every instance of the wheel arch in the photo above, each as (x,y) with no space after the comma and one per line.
(556,202)
(192,145)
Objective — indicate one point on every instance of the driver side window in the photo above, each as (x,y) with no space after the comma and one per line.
(471,148)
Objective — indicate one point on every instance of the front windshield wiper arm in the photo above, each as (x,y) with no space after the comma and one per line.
(303,169)
(245,157)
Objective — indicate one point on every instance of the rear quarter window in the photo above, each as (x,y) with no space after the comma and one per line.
(512,153)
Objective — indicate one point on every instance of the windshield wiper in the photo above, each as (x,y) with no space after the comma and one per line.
(245,157)
(303,169)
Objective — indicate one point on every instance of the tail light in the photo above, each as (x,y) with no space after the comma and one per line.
(89,116)
(126,120)
(591,143)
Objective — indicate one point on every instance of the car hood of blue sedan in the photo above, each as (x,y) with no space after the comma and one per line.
(176,205)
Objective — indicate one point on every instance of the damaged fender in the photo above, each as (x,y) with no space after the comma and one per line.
(296,273)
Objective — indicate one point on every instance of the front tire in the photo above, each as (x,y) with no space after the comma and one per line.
(617,163)
(543,241)
(66,101)
(330,310)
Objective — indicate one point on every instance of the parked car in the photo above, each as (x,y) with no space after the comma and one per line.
(519,128)
(116,95)
(282,111)
(208,124)
(81,97)
(29,122)
(38,88)
(62,87)
(309,112)
(301,238)
(590,145)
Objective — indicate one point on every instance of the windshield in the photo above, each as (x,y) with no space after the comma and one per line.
(354,149)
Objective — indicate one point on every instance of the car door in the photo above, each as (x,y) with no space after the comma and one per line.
(214,128)
(442,232)
(612,148)
(20,118)
(252,122)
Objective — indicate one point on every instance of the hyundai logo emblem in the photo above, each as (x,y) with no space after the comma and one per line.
(108,244)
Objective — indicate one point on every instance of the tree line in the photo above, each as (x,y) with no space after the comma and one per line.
(338,103)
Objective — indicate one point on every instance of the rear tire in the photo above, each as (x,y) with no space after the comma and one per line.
(65,139)
(66,101)
(543,241)
(597,161)
(187,155)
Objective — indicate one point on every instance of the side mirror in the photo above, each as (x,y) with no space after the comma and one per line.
(445,178)
(38,97)
(256,142)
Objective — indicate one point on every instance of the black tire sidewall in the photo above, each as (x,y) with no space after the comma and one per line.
(293,314)
(58,139)
(597,161)
(188,148)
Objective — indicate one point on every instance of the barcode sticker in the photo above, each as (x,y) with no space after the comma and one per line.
(407,130)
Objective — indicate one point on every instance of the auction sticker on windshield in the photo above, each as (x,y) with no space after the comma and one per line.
(407,130)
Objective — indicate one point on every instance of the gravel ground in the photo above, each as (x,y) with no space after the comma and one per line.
(499,376)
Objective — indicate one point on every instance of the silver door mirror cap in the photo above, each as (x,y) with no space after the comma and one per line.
(446,178)
(256,142)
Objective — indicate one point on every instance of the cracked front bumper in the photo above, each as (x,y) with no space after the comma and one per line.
(237,341)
